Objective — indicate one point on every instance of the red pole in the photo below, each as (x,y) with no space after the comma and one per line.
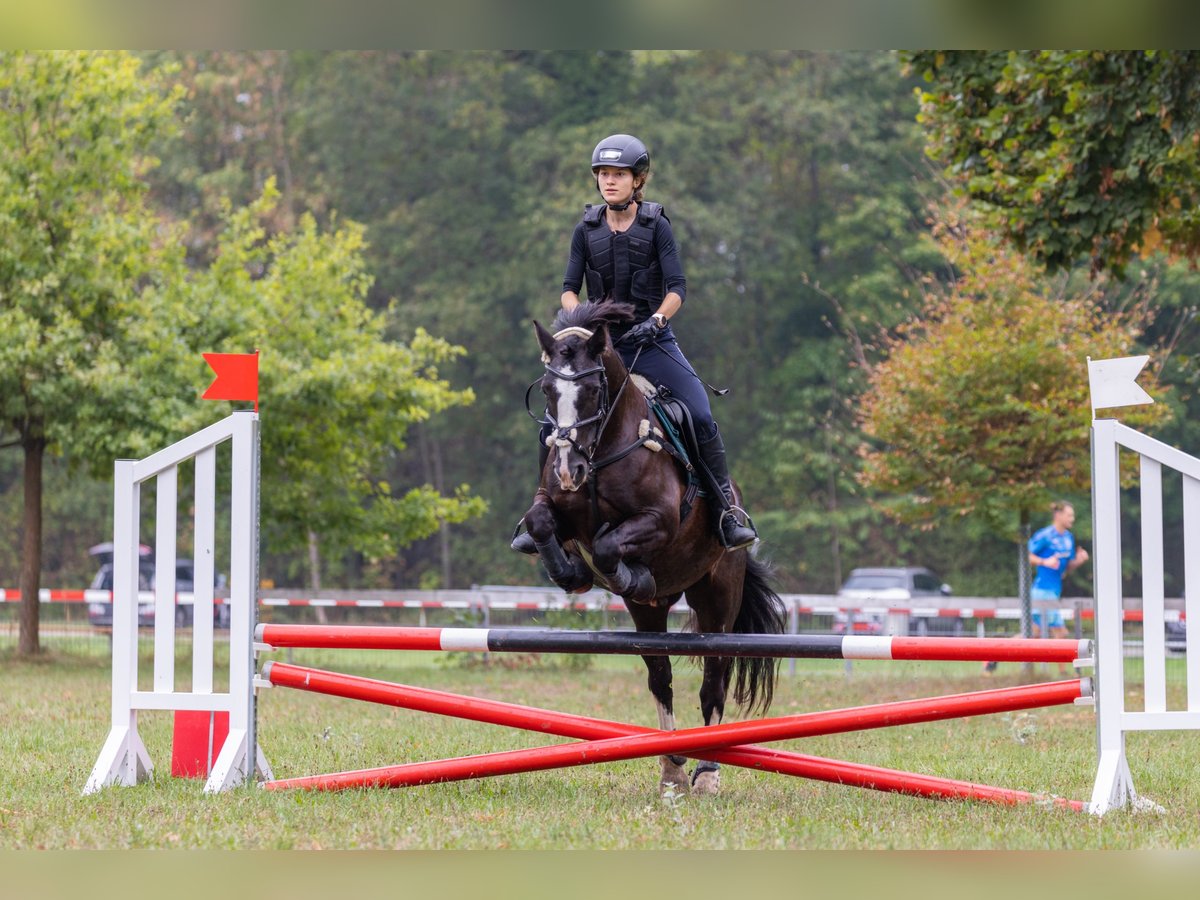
(618,741)
(351,637)
(987,649)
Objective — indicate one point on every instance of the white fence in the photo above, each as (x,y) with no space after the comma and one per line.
(123,759)
(1114,785)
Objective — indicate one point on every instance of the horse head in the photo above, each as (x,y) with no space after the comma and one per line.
(576,387)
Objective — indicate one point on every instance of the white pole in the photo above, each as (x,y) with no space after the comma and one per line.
(123,758)
(1113,786)
(204,570)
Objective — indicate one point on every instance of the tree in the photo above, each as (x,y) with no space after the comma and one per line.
(1073,155)
(803,222)
(981,407)
(75,244)
(104,319)
(338,393)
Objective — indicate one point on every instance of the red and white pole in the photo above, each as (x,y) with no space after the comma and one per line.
(809,646)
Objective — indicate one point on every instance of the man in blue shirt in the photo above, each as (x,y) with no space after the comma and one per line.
(1053,553)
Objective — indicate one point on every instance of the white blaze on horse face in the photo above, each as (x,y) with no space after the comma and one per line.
(568,415)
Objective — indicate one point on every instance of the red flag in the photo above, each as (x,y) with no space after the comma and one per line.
(237,377)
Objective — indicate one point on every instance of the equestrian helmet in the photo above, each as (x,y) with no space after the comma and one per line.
(621,151)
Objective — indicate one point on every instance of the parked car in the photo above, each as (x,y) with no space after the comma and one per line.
(1176,636)
(887,586)
(100,611)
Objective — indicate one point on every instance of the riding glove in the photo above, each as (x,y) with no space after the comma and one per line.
(642,334)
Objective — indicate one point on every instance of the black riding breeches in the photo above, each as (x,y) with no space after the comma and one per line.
(664,364)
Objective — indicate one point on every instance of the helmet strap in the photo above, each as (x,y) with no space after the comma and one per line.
(620,207)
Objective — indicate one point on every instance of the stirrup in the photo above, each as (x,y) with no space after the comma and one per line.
(737,542)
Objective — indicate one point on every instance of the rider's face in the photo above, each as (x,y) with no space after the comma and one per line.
(616,185)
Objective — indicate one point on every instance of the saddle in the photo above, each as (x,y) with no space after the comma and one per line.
(680,431)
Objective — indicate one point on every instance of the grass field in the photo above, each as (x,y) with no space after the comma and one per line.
(56,714)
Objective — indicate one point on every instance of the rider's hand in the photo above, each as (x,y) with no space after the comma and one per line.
(641,334)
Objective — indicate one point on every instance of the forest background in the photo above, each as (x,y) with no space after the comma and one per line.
(801,197)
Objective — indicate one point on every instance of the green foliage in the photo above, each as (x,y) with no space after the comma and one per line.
(337,395)
(75,241)
(1075,155)
(441,189)
(981,408)
(105,318)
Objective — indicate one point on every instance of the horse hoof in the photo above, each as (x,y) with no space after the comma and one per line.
(574,585)
(644,593)
(674,779)
(707,784)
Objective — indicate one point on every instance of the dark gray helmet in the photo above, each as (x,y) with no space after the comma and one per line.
(622,151)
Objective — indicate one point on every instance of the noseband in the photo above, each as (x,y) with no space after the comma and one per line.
(568,435)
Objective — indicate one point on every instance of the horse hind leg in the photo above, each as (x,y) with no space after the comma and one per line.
(706,779)
(673,776)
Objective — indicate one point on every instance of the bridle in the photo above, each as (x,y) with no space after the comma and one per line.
(568,435)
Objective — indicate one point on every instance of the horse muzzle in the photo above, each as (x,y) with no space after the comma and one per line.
(571,474)
(570,468)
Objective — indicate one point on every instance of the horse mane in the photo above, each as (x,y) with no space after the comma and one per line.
(592,315)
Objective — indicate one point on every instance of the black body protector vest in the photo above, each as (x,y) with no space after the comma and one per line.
(623,265)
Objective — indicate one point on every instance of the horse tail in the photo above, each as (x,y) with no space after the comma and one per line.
(761,612)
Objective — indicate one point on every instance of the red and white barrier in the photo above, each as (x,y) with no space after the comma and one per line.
(811,646)
(545,600)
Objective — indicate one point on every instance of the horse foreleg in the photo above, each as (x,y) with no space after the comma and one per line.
(674,776)
(616,552)
(707,777)
(567,571)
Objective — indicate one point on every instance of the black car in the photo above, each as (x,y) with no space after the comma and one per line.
(100,611)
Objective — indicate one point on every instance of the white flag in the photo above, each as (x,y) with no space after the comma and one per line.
(1113,382)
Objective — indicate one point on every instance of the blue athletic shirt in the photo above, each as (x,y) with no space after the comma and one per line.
(1050,542)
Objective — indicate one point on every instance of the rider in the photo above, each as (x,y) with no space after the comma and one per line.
(625,250)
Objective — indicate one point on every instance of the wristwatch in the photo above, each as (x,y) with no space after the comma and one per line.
(660,321)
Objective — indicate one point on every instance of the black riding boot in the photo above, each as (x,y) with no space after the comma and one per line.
(522,541)
(734,535)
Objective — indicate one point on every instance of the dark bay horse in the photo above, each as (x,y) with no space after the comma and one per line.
(607,512)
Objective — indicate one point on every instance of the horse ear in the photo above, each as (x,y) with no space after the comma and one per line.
(545,338)
(598,341)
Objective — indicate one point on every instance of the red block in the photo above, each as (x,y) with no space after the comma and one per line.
(198,738)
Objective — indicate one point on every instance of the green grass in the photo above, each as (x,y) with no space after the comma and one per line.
(56,715)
